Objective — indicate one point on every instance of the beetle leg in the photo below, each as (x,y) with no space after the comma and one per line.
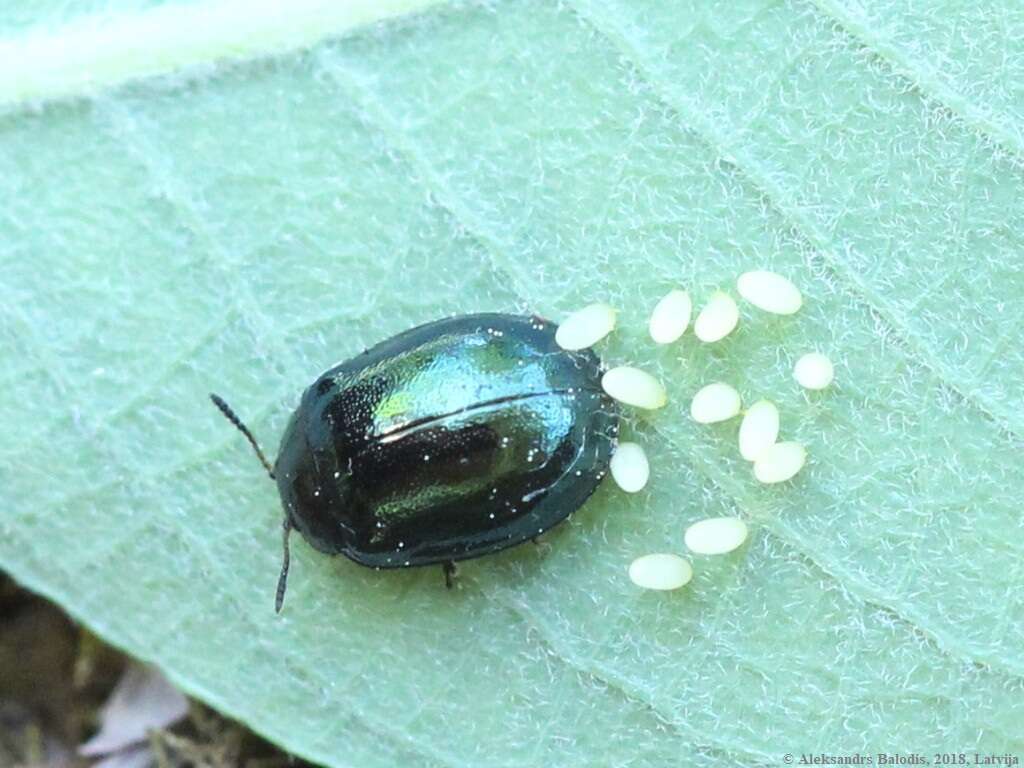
(449,573)
(541,542)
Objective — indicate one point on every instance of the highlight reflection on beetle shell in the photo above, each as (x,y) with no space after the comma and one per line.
(449,441)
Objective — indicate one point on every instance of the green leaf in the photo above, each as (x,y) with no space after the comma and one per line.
(242,229)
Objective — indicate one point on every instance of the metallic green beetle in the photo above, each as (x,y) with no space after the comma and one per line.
(449,441)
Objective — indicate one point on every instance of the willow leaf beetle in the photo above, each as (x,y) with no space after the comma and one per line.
(447,442)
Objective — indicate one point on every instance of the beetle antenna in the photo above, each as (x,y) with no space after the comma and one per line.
(230,416)
(282,581)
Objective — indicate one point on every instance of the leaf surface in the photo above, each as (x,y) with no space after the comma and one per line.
(242,230)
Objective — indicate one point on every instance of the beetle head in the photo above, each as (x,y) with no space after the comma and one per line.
(315,492)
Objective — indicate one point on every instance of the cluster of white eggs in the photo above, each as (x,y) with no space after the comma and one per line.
(773,461)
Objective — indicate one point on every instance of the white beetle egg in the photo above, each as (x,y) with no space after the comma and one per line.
(715,535)
(780,462)
(671,317)
(770,292)
(814,371)
(660,571)
(629,467)
(715,402)
(585,327)
(718,318)
(634,387)
(759,429)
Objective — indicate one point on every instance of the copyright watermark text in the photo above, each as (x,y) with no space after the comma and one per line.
(1005,760)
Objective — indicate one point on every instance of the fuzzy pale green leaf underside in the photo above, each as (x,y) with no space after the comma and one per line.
(243,230)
